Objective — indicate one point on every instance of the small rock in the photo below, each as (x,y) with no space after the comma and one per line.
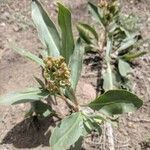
(3,24)
(131,2)
(16,28)
(22,106)
(146,45)
(5,16)
(130,125)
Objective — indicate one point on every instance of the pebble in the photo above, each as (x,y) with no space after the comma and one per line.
(130,125)
(3,24)
(5,16)
(16,28)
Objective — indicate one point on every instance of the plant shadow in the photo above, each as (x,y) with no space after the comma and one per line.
(95,62)
(30,133)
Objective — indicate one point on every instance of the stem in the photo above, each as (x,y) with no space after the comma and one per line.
(110,75)
(109,129)
(75,99)
(109,133)
(70,104)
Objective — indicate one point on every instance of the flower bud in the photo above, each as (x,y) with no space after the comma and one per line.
(56,73)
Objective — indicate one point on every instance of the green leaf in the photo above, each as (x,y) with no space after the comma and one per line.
(95,12)
(128,42)
(124,68)
(90,125)
(118,34)
(64,20)
(78,144)
(76,64)
(87,33)
(129,22)
(99,118)
(116,102)
(29,113)
(91,48)
(42,109)
(28,95)
(131,56)
(44,53)
(69,131)
(95,126)
(46,29)
(112,27)
(40,82)
(29,56)
(69,93)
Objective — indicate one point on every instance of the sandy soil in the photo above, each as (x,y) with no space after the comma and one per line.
(133,131)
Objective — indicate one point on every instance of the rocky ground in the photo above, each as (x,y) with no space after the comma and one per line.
(133,130)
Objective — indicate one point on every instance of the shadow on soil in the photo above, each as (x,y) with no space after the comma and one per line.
(96,65)
(30,133)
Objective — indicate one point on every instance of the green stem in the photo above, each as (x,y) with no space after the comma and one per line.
(109,70)
(110,75)
(70,103)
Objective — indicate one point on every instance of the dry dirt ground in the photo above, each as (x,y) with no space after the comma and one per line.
(133,131)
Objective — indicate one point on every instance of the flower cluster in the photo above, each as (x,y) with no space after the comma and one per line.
(56,73)
(109,11)
(103,3)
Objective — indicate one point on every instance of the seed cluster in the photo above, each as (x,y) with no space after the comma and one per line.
(56,73)
(109,10)
(103,3)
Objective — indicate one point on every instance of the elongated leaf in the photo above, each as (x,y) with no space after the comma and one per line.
(44,53)
(64,20)
(112,27)
(95,126)
(69,93)
(47,31)
(90,125)
(99,118)
(95,12)
(29,56)
(28,95)
(76,64)
(90,48)
(116,102)
(124,68)
(40,82)
(87,33)
(131,56)
(69,131)
(128,42)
